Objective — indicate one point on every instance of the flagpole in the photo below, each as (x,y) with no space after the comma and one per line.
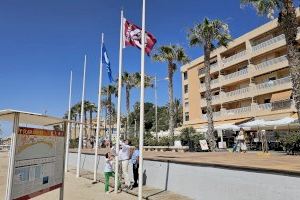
(69,125)
(81,121)
(141,146)
(99,110)
(119,104)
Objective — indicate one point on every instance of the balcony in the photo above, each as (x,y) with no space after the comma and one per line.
(215,115)
(237,94)
(271,65)
(274,86)
(268,43)
(215,99)
(238,111)
(236,58)
(239,75)
(213,84)
(213,68)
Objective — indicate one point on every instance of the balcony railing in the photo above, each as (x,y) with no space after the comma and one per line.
(214,66)
(238,111)
(270,62)
(265,106)
(215,97)
(215,115)
(271,83)
(234,57)
(236,74)
(275,105)
(268,42)
(237,92)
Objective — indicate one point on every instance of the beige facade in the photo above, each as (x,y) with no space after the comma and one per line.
(250,78)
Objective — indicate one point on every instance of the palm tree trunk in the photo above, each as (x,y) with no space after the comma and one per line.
(171,101)
(91,121)
(288,22)
(128,111)
(75,126)
(85,119)
(110,113)
(208,97)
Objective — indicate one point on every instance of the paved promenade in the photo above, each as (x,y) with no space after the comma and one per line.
(257,161)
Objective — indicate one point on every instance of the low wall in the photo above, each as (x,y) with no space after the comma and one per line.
(213,183)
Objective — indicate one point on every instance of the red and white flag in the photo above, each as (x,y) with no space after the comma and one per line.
(133,37)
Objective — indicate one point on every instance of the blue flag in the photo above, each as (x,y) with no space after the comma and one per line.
(106,62)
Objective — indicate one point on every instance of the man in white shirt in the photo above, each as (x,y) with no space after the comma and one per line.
(124,162)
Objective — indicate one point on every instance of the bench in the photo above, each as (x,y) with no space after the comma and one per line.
(167,148)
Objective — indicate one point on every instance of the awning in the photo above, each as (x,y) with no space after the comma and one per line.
(227,125)
(30,118)
(267,123)
(281,96)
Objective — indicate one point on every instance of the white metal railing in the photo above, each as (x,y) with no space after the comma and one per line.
(236,74)
(265,106)
(235,56)
(271,83)
(270,62)
(214,81)
(237,92)
(237,111)
(215,97)
(298,29)
(268,42)
(213,66)
(215,115)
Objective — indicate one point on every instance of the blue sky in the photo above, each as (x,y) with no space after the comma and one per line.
(41,41)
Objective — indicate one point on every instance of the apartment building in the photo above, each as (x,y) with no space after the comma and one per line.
(250,80)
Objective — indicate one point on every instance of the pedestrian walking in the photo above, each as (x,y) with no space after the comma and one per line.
(124,156)
(135,165)
(108,171)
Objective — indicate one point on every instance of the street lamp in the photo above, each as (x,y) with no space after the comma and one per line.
(155,96)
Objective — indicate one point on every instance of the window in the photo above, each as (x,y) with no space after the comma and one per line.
(267,100)
(272,78)
(186,89)
(186,105)
(185,75)
(186,116)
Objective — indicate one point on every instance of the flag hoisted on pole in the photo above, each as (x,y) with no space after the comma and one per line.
(133,37)
(119,104)
(141,145)
(105,60)
(81,121)
(69,125)
(99,105)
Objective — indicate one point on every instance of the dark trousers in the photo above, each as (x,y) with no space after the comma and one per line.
(135,169)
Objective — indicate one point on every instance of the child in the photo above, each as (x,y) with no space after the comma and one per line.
(108,171)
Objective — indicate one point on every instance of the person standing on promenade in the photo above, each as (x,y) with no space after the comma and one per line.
(243,140)
(135,165)
(124,155)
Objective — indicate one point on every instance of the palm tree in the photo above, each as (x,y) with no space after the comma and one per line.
(172,54)
(288,23)
(129,81)
(91,108)
(208,34)
(108,91)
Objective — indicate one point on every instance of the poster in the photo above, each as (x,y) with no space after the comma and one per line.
(39,162)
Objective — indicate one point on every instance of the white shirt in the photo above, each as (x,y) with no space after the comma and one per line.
(124,151)
(108,165)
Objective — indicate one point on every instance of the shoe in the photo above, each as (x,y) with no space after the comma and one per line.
(135,185)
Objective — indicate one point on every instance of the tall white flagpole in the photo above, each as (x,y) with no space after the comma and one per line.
(119,104)
(140,193)
(81,121)
(69,125)
(99,110)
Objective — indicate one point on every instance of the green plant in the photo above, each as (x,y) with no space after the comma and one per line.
(165,141)
(73,143)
